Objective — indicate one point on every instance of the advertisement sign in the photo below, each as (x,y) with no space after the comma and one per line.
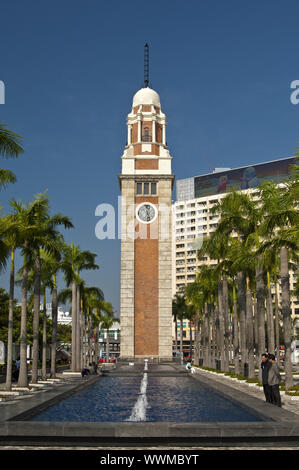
(243,178)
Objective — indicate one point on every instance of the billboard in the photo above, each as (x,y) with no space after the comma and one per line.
(243,178)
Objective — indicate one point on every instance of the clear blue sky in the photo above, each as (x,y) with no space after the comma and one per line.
(222,68)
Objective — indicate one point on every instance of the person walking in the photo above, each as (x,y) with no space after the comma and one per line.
(265,365)
(274,379)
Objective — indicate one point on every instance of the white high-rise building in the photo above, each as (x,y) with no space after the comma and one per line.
(192,218)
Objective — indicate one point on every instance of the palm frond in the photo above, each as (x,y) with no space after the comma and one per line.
(6,177)
(10,142)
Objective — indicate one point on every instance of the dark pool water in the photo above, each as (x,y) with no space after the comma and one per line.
(169,399)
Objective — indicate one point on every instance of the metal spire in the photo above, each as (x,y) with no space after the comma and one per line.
(146,65)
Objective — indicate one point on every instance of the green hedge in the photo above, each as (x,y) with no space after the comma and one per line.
(232,374)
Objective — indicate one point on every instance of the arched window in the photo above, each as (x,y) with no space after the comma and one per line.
(146,135)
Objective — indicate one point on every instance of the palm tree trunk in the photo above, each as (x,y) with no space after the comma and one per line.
(91,340)
(88,335)
(83,339)
(74,325)
(217,324)
(78,332)
(286,315)
(213,344)
(277,336)
(196,339)
(242,315)
(10,321)
(206,355)
(44,358)
(235,334)
(210,336)
(96,346)
(221,324)
(225,318)
(255,326)
(202,338)
(250,343)
(107,346)
(176,334)
(82,331)
(87,339)
(35,346)
(231,339)
(181,341)
(54,327)
(23,374)
(260,306)
(191,339)
(270,324)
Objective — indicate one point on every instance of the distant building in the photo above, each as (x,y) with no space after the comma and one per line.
(114,340)
(64,318)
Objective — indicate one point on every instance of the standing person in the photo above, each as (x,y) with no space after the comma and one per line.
(274,379)
(18,362)
(265,365)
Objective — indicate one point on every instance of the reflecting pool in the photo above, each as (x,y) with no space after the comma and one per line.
(147,398)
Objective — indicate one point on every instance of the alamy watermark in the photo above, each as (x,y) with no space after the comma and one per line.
(295,94)
(2,92)
(130,221)
(145,220)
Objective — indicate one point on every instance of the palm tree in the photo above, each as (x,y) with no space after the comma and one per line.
(51,264)
(179,309)
(101,308)
(10,147)
(175,320)
(190,316)
(244,258)
(44,341)
(217,248)
(235,329)
(239,215)
(23,215)
(107,320)
(201,296)
(39,230)
(7,230)
(271,262)
(92,298)
(73,262)
(45,235)
(280,229)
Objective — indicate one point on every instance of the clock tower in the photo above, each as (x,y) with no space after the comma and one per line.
(146,183)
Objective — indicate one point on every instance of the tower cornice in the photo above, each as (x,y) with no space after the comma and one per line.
(146,178)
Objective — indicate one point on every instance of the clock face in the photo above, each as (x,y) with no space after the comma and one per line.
(146,213)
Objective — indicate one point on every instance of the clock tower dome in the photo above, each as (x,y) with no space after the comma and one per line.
(146,183)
